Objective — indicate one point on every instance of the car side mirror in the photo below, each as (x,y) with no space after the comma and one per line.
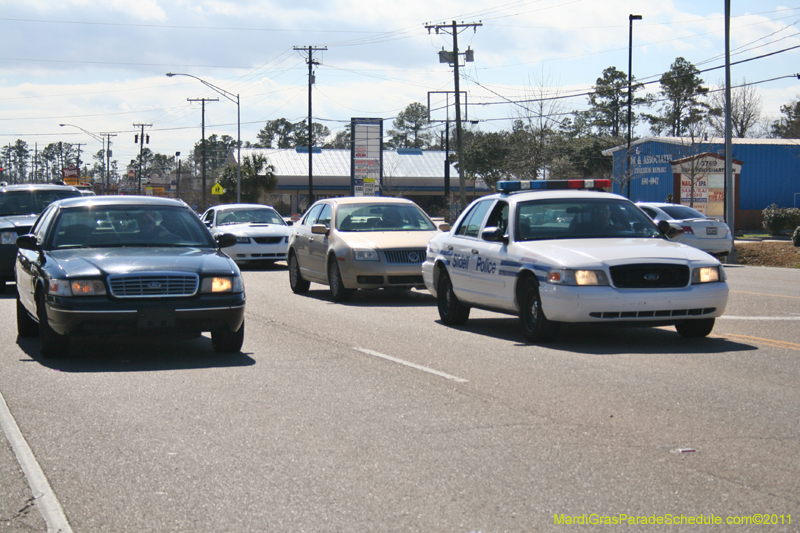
(226,240)
(28,242)
(666,229)
(289,222)
(319,229)
(444,226)
(494,234)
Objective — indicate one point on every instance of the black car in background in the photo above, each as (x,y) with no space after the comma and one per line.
(19,207)
(130,265)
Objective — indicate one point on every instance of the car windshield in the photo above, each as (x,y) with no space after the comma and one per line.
(582,218)
(31,201)
(131,225)
(382,217)
(681,212)
(249,216)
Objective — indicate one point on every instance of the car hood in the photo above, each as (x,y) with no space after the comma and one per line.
(610,252)
(386,240)
(254,230)
(17,221)
(82,262)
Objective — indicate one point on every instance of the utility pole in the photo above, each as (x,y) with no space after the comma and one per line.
(203,141)
(107,184)
(311,62)
(140,138)
(454,30)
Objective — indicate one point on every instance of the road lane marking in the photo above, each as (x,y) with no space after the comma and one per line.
(761,340)
(412,365)
(46,500)
(770,295)
(727,317)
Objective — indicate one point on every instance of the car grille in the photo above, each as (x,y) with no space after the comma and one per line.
(650,276)
(268,240)
(668,313)
(405,257)
(153,284)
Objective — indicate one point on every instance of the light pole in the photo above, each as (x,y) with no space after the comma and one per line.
(235,99)
(105,140)
(631,18)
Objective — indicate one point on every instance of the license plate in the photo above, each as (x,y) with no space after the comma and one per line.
(711,231)
(156,318)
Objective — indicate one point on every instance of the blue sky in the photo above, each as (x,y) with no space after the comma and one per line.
(101,64)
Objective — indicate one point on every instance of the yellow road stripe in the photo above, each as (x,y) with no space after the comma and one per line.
(760,340)
(771,295)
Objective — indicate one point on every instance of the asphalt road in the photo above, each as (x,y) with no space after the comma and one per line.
(373,416)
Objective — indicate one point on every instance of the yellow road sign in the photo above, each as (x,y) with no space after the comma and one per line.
(217,189)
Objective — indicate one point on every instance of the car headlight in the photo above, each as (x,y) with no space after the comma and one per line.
(76,287)
(707,275)
(242,240)
(8,237)
(361,254)
(222,284)
(565,276)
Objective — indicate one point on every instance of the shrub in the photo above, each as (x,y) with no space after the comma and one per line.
(778,219)
(796,236)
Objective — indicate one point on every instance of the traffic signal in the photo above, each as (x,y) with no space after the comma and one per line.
(136,138)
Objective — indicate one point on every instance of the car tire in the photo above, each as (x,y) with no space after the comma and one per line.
(695,329)
(26,326)
(296,281)
(53,344)
(338,291)
(535,326)
(226,341)
(451,310)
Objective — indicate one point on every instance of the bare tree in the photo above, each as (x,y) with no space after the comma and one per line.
(746,107)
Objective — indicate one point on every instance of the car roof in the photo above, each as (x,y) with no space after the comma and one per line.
(368,200)
(38,187)
(121,200)
(239,206)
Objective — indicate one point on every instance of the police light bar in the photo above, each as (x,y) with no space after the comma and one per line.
(542,185)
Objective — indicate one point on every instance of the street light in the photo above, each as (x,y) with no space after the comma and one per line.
(631,18)
(235,99)
(106,148)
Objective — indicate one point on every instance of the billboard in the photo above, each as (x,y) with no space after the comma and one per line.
(366,156)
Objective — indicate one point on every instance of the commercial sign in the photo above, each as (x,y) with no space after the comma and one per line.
(366,157)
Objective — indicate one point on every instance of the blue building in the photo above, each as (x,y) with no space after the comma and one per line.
(766,172)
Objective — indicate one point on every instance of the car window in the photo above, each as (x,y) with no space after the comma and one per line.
(581,218)
(252,215)
(325,216)
(471,224)
(32,201)
(42,222)
(312,215)
(209,216)
(652,214)
(681,212)
(499,216)
(382,217)
(132,225)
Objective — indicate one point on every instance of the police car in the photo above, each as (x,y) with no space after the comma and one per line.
(553,251)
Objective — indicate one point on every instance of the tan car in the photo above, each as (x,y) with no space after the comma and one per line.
(359,243)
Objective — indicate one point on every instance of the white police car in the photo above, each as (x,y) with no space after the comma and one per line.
(555,251)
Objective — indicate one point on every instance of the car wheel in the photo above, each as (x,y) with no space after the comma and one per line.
(296,281)
(535,326)
(226,341)
(338,291)
(693,329)
(53,344)
(26,326)
(451,310)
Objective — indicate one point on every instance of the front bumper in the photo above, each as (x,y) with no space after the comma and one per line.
(106,316)
(248,252)
(379,274)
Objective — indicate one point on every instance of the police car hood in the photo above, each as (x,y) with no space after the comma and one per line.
(571,253)
(17,221)
(255,230)
(387,240)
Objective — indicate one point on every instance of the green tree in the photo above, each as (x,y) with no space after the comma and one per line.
(341,140)
(410,128)
(682,104)
(486,157)
(608,111)
(217,151)
(319,132)
(258,177)
(788,126)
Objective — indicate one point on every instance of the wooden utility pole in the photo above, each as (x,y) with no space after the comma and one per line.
(140,138)
(203,141)
(311,62)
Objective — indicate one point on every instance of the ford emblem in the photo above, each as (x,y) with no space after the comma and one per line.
(413,257)
(153,285)
(651,277)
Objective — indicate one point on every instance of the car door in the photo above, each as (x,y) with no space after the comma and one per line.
(318,244)
(28,261)
(301,240)
(463,250)
(488,283)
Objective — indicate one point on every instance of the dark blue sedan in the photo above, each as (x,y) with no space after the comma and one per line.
(126,265)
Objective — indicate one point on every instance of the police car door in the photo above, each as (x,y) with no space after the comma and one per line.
(464,252)
(488,281)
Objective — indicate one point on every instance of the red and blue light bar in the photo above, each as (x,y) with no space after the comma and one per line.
(544,185)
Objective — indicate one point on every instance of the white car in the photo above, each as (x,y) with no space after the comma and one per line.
(692,227)
(550,253)
(262,236)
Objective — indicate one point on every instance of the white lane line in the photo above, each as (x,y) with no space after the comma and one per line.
(412,365)
(45,498)
(760,317)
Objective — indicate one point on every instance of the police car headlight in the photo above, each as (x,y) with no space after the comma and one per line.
(8,237)
(706,275)
(565,276)
(222,284)
(361,254)
(77,287)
